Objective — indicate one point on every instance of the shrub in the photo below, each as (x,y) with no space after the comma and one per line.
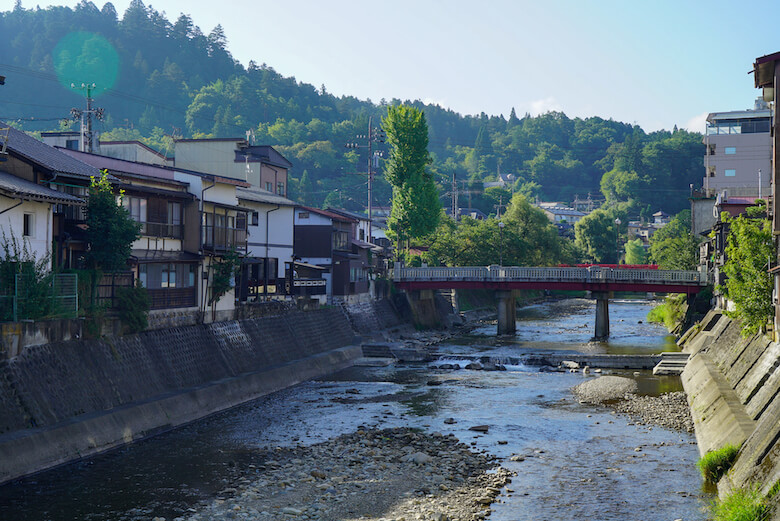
(742,505)
(133,307)
(716,463)
(670,313)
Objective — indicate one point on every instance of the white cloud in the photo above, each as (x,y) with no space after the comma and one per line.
(697,123)
(545,105)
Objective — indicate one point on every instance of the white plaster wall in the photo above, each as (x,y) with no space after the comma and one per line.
(280,232)
(212,157)
(12,224)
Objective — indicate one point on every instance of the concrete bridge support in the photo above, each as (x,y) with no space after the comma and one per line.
(423,305)
(602,314)
(507,312)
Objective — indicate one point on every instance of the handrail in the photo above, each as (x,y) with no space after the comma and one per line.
(553,274)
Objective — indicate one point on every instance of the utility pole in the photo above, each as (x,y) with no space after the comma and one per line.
(499,206)
(375,135)
(85,116)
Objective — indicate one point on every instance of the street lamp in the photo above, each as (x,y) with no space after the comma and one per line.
(617,240)
(501,241)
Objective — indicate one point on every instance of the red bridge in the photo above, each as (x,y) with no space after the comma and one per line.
(600,280)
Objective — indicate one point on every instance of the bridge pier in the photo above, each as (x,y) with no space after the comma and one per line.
(602,314)
(507,312)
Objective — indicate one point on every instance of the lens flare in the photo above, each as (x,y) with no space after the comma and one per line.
(86,58)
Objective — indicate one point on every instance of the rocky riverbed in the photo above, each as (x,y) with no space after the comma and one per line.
(669,410)
(392,474)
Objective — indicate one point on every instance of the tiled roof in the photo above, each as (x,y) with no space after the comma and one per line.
(331,215)
(48,158)
(262,196)
(13,186)
(563,210)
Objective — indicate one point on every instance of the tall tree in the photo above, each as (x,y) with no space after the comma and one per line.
(415,205)
(749,250)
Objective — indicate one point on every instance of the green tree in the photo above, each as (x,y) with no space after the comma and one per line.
(415,204)
(597,235)
(748,284)
(674,247)
(527,239)
(110,231)
(635,252)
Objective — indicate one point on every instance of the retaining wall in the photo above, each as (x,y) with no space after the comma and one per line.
(733,387)
(66,400)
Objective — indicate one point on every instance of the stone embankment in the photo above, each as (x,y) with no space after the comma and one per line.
(67,400)
(733,386)
(392,474)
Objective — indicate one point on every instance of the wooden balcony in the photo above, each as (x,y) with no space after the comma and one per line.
(221,238)
(169,298)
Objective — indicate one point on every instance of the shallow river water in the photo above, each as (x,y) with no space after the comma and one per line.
(581,462)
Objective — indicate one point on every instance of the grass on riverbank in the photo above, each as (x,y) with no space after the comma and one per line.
(671,313)
(716,463)
(742,505)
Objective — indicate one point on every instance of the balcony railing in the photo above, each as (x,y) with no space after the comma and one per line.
(221,238)
(168,298)
(173,231)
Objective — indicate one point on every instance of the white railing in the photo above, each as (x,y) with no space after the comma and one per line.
(556,274)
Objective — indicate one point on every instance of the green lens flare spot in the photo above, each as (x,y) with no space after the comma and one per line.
(86,58)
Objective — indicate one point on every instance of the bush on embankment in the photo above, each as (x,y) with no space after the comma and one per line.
(716,463)
(671,313)
(742,505)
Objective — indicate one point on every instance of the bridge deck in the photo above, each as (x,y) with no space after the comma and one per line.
(593,278)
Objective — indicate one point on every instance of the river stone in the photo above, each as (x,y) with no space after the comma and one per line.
(476,366)
(604,388)
(569,364)
(479,428)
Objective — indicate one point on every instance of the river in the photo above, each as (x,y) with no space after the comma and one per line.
(582,461)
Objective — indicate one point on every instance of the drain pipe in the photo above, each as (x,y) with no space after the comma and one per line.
(267,241)
(205,289)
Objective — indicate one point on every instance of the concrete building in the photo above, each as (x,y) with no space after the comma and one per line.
(259,165)
(737,161)
(738,147)
(270,243)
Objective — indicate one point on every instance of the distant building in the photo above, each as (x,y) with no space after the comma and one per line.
(737,161)
(474,213)
(738,146)
(560,214)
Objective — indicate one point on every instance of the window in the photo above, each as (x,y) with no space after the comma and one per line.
(174,213)
(303,215)
(340,240)
(269,187)
(730,172)
(72,144)
(730,150)
(255,218)
(167,275)
(136,206)
(280,188)
(28,225)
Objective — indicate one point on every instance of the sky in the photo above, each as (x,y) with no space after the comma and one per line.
(656,63)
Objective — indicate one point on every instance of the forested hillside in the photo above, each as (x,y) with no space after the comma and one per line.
(173,79)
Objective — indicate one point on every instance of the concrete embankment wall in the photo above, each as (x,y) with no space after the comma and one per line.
(63,401)
(733,387)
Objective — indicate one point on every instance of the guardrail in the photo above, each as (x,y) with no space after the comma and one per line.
(555,274)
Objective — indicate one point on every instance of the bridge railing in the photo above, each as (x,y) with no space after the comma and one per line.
(554,274)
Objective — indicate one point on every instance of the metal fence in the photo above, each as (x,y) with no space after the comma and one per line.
(555,274)
(31,299)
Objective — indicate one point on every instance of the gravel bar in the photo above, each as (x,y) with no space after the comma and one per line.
(392,474)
